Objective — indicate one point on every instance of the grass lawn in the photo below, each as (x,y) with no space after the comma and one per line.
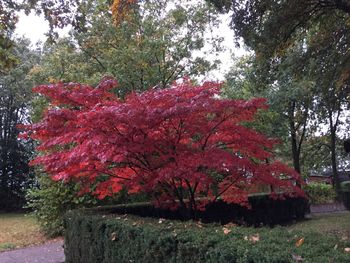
(19,230)
(337,224)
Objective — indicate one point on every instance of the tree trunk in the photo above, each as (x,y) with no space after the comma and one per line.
(334,164)
(295,152)
(294,140)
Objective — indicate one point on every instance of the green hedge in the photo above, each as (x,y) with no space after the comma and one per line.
(105,238)
(320,193)
(264,211)
(345,193)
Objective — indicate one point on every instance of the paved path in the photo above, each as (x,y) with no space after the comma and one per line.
(47,253)
(327,208)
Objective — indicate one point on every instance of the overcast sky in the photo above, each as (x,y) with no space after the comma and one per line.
(35,27)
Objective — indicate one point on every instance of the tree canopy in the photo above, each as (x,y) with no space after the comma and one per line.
(15,96)
(167,142)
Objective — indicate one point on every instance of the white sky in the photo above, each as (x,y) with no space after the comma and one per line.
(34,27)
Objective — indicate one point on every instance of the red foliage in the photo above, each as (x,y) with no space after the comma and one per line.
(184,144)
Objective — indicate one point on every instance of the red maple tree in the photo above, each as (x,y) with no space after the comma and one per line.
(185,144)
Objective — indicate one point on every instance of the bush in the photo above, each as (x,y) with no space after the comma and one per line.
(345,193)
(102,237)
(264,211)
(50,200)
(320,193)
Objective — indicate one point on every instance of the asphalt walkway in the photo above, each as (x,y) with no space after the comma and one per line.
(46,253)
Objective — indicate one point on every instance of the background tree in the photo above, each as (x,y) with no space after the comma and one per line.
(156,45)
(14,105)
(273,29)
(330,62)
(8,21)
(290,95)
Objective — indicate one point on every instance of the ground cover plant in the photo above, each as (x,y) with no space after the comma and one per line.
(19,230)
(183,145)
(320,193)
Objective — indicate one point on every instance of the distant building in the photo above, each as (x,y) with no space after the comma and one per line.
(327,177)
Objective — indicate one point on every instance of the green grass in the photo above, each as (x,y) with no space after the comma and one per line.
(336,224)
(7,246)
(19,230)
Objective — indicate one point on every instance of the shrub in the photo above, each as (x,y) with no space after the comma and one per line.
(180,144)
(50,200)
(263,211)
(103,237)
(320,193)
(345,193)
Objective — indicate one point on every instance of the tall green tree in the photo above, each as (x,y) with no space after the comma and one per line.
(8,21)
(272,29)
(330,64)
(156,45)
(14,106)
(290,95)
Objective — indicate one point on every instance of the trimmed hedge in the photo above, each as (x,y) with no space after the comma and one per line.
(264,211)
(345,193)
(93,237)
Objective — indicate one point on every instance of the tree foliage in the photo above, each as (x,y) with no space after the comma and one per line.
(14,103)
(268,26)
(319,31)
(157,44)
(179,143)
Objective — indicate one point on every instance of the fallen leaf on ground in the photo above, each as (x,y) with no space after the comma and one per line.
(297,258)
(347,249)
(254,238)
(226,230)
(299,242)
(113,236)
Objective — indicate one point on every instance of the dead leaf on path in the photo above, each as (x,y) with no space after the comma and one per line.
(300,242)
